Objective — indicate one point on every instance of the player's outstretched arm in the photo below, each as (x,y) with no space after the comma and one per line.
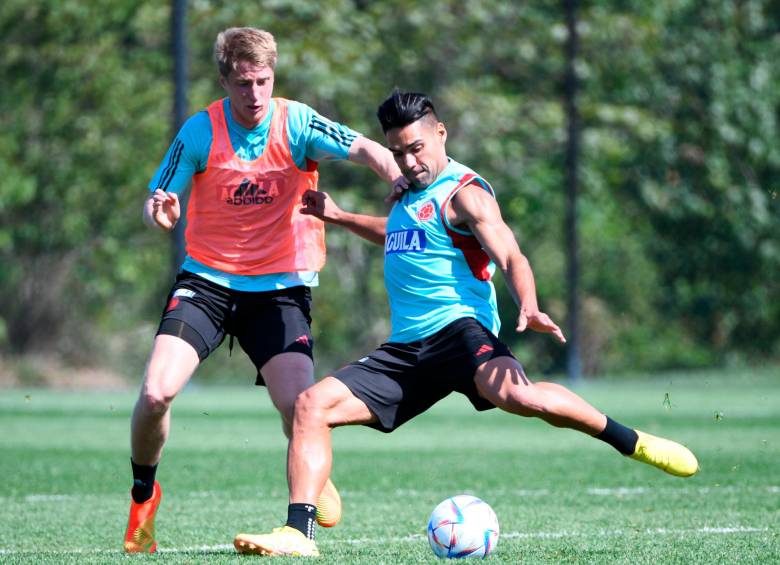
(322,206)
(370,153)
(162,210)
(477,209)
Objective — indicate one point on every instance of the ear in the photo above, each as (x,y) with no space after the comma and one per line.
(223,81)
(441,131)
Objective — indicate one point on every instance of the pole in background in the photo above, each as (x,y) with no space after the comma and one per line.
(573,363)
(179,52)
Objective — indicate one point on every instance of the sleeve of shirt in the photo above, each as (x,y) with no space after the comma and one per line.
(187,155)
(315,137)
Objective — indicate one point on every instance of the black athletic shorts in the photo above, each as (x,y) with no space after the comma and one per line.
(399,381)
(265,323)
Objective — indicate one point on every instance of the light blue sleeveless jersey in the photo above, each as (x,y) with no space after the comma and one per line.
(310,135)
(434,272)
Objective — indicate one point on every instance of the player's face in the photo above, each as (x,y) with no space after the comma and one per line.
(419,150)
(249,88)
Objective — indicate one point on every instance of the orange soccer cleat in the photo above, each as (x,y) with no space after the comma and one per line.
(139,537)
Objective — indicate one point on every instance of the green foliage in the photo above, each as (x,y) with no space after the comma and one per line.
(694,134)
(79,106)
(680,161)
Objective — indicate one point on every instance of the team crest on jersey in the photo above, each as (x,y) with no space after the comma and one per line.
(426,211)
(405,241)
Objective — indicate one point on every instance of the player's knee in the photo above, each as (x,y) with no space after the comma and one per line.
(310,409)
(156,401)
(161,384)
(154,398)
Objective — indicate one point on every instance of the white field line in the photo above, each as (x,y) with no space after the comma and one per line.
(523,493)
(417,538)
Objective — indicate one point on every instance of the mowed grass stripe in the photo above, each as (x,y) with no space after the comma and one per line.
(417,538)
(560,497)
(619,491)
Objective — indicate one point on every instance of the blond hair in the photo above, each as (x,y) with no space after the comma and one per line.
(249,44)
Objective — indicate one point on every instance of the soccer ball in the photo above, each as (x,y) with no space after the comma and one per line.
(463,526)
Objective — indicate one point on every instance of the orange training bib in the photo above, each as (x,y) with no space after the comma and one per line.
(243,217)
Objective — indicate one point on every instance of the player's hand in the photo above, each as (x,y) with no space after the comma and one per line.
(538,322)
(320,205)
(399,185)
(166,209)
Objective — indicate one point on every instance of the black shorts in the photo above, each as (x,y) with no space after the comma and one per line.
(399,381)
(265,323)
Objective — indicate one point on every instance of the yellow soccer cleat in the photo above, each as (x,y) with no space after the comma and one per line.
(329,506)
(281,541)
(139,536)
(669,456)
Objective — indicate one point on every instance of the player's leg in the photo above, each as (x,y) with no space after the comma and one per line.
(191,327)
(381,390)
(274,329)
(170,366)
(503,382)
(318,410)
(286,375)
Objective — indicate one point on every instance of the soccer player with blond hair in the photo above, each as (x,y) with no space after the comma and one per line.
(252,257)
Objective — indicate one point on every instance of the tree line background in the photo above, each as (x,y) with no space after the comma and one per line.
(679,167)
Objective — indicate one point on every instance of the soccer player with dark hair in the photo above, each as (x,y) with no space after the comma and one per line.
(251,256)
(443,240)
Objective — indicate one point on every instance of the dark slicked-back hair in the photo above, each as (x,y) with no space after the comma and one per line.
(403,108)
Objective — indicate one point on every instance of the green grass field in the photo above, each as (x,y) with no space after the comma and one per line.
(560,497)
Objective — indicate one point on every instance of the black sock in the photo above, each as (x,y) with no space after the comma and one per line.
(143,482)
(302,517)
(618,436)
